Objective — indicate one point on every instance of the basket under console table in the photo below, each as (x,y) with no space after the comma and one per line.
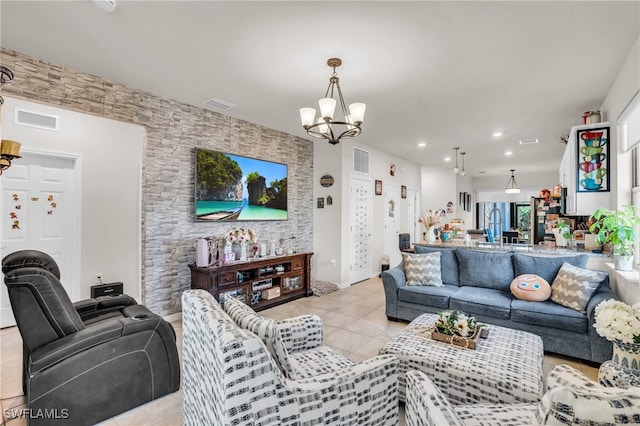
(260,282)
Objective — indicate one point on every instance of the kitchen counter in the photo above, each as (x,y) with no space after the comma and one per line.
(520,248)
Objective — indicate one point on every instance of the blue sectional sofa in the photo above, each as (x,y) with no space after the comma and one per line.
(477,283)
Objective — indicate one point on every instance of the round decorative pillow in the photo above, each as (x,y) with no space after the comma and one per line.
(530,287)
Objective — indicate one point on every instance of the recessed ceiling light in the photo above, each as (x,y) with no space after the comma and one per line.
(497,134)
(447,158)
(508,153)
(422,144)
(528,141)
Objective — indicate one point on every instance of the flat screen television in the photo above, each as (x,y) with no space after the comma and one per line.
(231,187)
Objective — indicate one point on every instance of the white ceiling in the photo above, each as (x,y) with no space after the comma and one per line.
(446,73)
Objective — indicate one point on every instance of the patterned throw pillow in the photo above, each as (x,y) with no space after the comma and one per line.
(422,269)
(263,327)
(574,286)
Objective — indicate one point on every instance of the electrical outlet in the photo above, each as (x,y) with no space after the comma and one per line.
(99,278)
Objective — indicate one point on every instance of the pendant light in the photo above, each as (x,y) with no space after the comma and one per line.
(512,185)
(463,172)
(456,169)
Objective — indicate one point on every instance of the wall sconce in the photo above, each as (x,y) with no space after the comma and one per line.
(8,151)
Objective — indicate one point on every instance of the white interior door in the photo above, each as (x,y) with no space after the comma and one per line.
(40,210)
(391,223)
(360,229)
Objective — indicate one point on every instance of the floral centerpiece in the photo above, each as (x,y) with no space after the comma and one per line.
(430,219)
(617,321)
(620,323)
(454,323)
(241,236)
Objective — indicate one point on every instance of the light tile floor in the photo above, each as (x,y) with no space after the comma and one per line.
(354,324)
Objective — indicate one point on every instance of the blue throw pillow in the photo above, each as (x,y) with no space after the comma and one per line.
(484,269)
(546,267)
(448,262)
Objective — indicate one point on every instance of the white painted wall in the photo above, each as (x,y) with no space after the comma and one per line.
(331,224)
(626,85)
(111,154)
(439,186)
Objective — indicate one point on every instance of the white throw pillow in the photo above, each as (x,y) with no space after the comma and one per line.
(423,268)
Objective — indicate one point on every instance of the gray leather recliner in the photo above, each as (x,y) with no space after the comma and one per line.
(88,361)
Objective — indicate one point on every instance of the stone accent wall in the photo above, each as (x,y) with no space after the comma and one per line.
(173,130)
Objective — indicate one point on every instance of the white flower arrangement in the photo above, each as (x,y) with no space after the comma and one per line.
(240,235)
(454,323)
(617,321)
(430,218)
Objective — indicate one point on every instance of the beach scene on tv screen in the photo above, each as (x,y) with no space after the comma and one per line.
(232,187)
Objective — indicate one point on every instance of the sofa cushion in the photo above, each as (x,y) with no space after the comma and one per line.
(549,314)
(573,286)
(545,266)
(437,297)
(448,262)
(265,328)
(482,301)
(530,287)
(422,269)
(483,269)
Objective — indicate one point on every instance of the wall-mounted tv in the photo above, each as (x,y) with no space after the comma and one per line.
(232,187)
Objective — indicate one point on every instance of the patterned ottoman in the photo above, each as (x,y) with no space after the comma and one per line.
(504,368)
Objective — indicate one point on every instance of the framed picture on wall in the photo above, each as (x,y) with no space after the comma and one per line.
(467,203)
(378,187)
(462,198)
(403,191)
(592,165)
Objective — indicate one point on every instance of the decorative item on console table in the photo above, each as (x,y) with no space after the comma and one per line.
(620,323)
(619,228)
(242,237)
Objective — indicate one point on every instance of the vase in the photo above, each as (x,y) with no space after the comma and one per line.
(431,234)
(243,250)
(624,368)
(622,262)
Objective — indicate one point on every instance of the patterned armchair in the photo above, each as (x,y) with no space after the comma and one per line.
(235,376)
(571,398)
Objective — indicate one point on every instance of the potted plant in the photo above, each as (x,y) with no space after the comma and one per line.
(562,232)
(619,229)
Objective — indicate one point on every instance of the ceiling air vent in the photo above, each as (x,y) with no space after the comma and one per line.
(360,161)
(219,103)
(36,119)
(528,141)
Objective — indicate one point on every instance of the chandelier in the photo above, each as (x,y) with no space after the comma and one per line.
(8,149)
(325,127)
(512,185)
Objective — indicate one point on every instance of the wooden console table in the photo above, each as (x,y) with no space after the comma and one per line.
(261,282)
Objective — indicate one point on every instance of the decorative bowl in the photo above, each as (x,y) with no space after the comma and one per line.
(446,236)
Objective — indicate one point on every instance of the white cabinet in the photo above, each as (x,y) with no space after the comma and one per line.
(579,203)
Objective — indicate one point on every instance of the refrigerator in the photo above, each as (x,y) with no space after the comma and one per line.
(545,213)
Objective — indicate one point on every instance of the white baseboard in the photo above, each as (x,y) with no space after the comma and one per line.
(173,317)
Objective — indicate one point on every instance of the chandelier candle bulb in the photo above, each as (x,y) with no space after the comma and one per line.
(307,115)
(327,107)
(357,110)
